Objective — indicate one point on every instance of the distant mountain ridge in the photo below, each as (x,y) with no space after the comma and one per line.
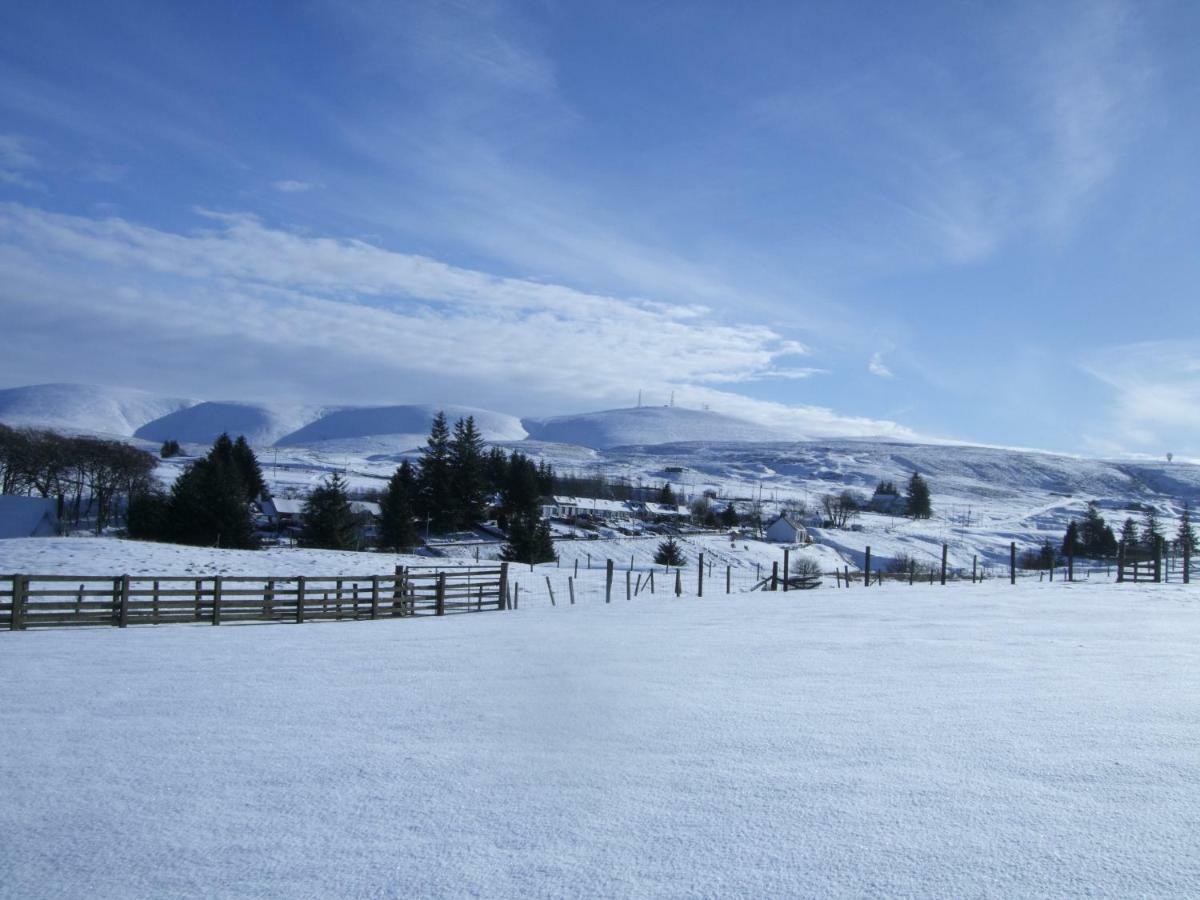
(123,412)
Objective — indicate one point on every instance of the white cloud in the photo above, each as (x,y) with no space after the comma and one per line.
(1155,395)
(16,161)
(876,366)
(287,186)
(241,303)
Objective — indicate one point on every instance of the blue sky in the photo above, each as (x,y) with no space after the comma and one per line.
(974,221)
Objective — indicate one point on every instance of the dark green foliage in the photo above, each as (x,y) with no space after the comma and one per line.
(886,489)
(1151,529)
(327,521)
(170,448)
(1129,535)
(666,496)
(1095,536)
(147,515)
(1185,537)
(919,503)
(1071,545)
(729,517)
(468,477)
(669,553)
(521,493)
(435,494)
(208,505)
(397,530)
(251,472)
(529,540)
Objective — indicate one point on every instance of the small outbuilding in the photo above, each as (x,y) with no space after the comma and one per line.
(22,517)
(786,530)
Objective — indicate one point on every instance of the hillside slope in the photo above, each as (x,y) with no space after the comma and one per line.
(645,425)
(85,407)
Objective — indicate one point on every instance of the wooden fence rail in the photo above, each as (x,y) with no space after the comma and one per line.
(60,601)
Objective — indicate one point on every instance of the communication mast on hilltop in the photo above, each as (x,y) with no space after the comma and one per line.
(639,398)
(672,403)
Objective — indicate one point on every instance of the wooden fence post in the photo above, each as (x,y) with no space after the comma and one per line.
(912,571)
(700,576)
(945,550)
(576,575)
(20,592)
(441,593)
(728,577)
(571,588)
(550,590)
(651,582)
(1012,562)
(867,568)
(1120,562)
(1187,561)
(1070,564)
(628,585)
(503,589)
(216,612)
(678,583)
(300,600)
(374,596)
(786,570)
(1158,552)
(269,599)
(123,609)
(608,580)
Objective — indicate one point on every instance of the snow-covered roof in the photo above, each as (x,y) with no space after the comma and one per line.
(22,517)
(284,506)
(665,509)
(589,503)
(787,519)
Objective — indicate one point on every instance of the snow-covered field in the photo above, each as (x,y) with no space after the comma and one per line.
(975,740)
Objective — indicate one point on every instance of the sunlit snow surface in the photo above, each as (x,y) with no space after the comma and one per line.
(962,741)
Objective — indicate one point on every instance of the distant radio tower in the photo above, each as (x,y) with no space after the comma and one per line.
(639,398)
(672,398)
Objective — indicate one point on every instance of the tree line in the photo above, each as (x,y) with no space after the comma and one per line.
(91,479)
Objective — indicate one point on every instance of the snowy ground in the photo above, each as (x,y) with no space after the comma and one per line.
(962,741)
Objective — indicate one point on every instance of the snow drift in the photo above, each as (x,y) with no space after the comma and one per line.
(259,423)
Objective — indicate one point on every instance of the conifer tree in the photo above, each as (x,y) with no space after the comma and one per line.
(251,472)
(529,540)
(1151,530)
(669,553)
(1186,535)
(520,495)
(1129,535)
(435,498)
(1071,545)
(397,530)
(729,516)
(467,475)
(207,505)
(327,520)
(666,496)
(919,505)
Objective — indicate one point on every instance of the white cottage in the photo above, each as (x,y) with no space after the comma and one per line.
(786,530)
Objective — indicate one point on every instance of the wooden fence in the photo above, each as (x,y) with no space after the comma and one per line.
(58,601)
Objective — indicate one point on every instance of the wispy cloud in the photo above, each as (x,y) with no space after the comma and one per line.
(876,366)
(240,300)
(16,161)
(1155,401)
(288,186)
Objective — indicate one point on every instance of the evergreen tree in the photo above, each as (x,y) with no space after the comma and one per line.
(669,553)
(146,516)
(729,516)
(1186,535)
(520,495)
(251,472)
(208,505)
(495,470)
(529,540)
(1095,535)
(919,505)
(327,520)
(397,531)
(1047,555)
(1151,530)
(1071,545)
(467,475)
(1129,535)
(435,496)
(170,448)
(545,478)
(666,496)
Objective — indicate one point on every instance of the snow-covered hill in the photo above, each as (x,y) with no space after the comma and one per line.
(85,407)
(379,428)
(647,425)
(261,424)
